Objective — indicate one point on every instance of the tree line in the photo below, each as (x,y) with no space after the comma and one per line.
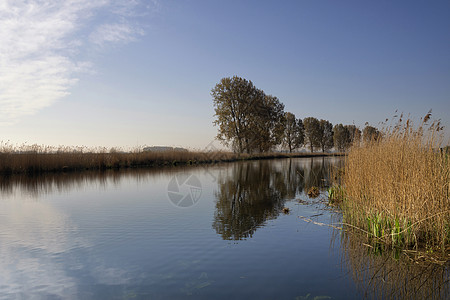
(249,121)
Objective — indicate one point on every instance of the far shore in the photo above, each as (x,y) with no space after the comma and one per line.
(38,163)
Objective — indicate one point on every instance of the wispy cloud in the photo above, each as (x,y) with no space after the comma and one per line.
(115,33)
(41,41)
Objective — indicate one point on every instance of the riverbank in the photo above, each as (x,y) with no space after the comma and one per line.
(397,189)
(43,160)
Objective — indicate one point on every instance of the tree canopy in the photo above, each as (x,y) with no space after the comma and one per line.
(312,132)
(293,135)
(249,120)
(355,134)
(325,135)
(371,133)
(341,137)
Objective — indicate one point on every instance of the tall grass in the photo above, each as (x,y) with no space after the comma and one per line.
(39,159)
(35,159)
(396,189)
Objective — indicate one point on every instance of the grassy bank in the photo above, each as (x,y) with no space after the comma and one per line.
(40,159)
(396,189)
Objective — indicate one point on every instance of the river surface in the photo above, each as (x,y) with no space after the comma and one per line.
(199,232)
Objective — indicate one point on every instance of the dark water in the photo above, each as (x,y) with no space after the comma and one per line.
(216,232)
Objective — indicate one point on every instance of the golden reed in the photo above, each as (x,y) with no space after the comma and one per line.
(36,159)
(396,188)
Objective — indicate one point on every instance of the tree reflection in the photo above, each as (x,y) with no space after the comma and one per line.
(292,182)
(47,183)
(251,193)
(317,173)
(246,199)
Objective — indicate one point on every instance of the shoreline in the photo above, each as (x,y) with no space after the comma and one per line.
(41,163)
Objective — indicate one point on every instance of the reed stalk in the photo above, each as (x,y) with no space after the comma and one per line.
(396,189)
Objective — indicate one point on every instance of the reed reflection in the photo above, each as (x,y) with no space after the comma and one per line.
(35,186)
(393,274)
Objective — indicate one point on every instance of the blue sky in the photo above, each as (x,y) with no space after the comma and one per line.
(126,73)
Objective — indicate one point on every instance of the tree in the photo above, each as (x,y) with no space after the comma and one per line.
(341,137)
(312,132)
(266,123)
(293,133)
(371,133)
(233,100)
(247,119)
(325,135)
(355,134)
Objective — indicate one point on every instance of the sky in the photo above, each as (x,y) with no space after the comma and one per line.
(129,73)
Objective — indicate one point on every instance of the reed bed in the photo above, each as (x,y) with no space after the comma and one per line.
(35,159)
(396,189)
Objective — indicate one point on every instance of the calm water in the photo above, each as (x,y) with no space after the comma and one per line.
(211,232)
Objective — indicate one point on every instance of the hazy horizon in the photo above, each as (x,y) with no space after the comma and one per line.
(135,73)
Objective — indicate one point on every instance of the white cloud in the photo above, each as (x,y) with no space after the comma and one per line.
(40,41)
(115,33)
(29,224)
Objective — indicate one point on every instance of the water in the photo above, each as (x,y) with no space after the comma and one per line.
(208,232)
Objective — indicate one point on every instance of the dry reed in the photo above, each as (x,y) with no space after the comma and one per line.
(36,159)
(396,189)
